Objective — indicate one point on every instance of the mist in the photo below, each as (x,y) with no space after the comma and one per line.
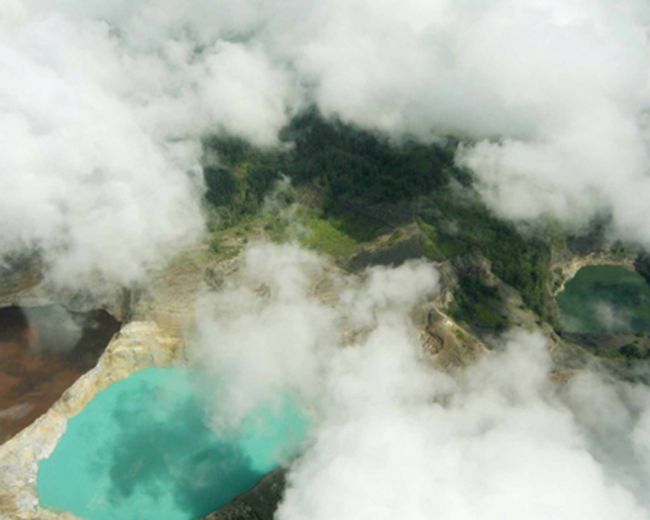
(392,434)
(53,329)
(101,127)
(104,108)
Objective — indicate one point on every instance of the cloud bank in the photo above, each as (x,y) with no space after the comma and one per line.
(268,329)
(552,94)
(498,444)
(394,437)
(103,106)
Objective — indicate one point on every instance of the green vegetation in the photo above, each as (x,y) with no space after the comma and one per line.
(364,185)
(479,305)
(350,164)
(237,185)
(323,236)
(361,228)
(345,164)
(339,234)
(631,351)
(456,227)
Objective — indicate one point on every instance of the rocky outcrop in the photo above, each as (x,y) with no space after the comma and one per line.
(170,295)
(563,268)
(259,503)
(448,343)
(18,276)
(642,265)
(137,346)
(169,301)
(158,315)
(22,284)
(43,351)
(402,244)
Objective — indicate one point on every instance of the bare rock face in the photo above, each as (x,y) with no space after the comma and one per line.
(565,268)
(137,346)
(642,265)
(156,314)
(259,503)
(25,287)
(43,351)
(19,276)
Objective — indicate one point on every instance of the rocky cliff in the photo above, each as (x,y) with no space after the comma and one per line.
(259,503)
(137,346)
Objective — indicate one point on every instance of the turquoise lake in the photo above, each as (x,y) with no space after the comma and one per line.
(605,299)
(141,449)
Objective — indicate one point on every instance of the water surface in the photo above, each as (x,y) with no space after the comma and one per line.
(605,299)
(141,449)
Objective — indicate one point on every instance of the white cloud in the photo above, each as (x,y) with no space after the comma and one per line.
(266,331)
(394,437)
(263,334)
(104,104)
(399,440)
(245,94)
(562,85)
(102,115)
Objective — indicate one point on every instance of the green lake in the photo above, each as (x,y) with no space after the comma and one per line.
(605,299)
(142,449)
